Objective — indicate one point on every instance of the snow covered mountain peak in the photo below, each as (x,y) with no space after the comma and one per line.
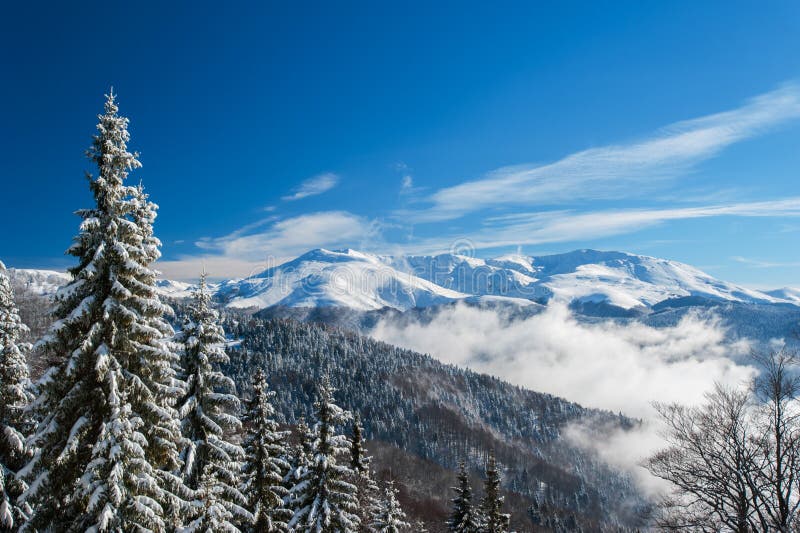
(338,278)
(615,278)
(628,280)
(513,261)
(346,254)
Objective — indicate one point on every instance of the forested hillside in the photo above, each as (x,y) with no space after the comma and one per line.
(418,411)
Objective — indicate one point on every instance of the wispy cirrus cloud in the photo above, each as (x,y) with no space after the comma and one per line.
(566,226)
(615,171)
(758,263)
(313,186)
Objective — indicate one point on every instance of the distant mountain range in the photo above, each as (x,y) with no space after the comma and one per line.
(364,282)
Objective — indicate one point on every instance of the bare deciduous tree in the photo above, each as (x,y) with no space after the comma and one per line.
(734,462)
(708,459)
(775,480)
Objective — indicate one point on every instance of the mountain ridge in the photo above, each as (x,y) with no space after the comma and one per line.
(364,281)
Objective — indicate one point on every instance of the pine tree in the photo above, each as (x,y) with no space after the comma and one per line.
(390,517)
(359,461)
(207,410)
(367,492)
(323,498)
(265,464)
(464,518)
(15,396)
(107,421)
(494,520)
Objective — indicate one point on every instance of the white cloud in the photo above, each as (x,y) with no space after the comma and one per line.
(623,450)
(607,365)
(615,171)
(271,241)
(407,183)
(314,186)
(293,236)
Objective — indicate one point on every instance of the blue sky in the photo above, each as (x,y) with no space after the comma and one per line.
(669,129)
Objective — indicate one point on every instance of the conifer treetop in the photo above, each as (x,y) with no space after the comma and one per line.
(265,463)
(208,410)
(495,521)
(323,497)
(464,518)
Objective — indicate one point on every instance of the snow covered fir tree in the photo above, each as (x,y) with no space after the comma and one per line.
(209,417)
(265,461)
(492,515)
(323,496)
(366,488)
(15,395)
(105,407)
(464,518)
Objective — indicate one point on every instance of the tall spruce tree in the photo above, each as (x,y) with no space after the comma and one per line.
(265,465)
(464,518)
(367,492)
(107,423)
(323,497)
(208,414)
(390,517)
(15,395)
(493,518)
(359,461)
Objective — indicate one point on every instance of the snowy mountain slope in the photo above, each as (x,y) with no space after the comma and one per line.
(628,280)
(324,278)
(788,294)
(364,282)
(47,282)
(42,282)
(178,289)
(469,275)
(616,278)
